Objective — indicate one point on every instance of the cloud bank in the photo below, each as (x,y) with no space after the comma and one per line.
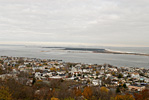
(90,22)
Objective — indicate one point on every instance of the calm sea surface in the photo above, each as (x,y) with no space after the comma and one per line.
(86,57)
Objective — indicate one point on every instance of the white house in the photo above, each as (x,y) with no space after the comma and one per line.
(135,75)
(95,82)
(136,88)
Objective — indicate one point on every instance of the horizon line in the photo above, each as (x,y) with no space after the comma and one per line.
(65,44)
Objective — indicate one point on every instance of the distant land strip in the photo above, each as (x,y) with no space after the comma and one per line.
(96,50)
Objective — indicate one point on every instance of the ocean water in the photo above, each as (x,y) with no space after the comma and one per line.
(118,60)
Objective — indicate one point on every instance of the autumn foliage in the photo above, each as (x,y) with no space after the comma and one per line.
(11,89)
(53,98)
(77,92)
(5,93)
(87,92)
(143,95)
(104,89)
(124,97)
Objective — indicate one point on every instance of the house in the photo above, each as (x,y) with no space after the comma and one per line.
(101,72)
(21,66)
(78,66)
(55,78)
(135,75)
(29,82)
(38,75)
(95,82)
(127,84)
(125,74)
(108,75)
(73,70)
(136,88)
(86,70)
(38,68)
(102,68)
(113,69)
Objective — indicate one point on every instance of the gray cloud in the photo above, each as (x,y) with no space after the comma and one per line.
(101,22)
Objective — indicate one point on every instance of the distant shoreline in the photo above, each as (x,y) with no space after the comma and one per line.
(114,52)
(96,50)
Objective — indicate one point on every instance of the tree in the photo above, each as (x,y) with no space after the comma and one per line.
(53,98)
(87,93)
(120,75)
(42,94)
(97,73)
(53,69)
(124,85)
(118,90)
(5,93)
(1,62)
(69,98)
(78,92)
(104,89)
(21,61)
(143,95)
(104,93)
(1,71)
(28,65)
(124,97)
(113,73)
(96,92)
(108,81)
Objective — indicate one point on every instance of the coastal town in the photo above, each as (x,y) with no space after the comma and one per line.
(34,73)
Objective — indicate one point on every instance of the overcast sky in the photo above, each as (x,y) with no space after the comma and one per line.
(86,22)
